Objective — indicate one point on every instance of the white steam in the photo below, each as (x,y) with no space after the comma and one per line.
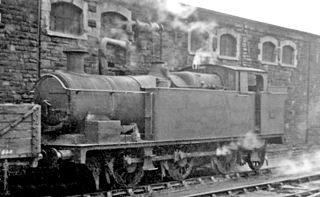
(299,165)
(226,149)
(180,10)
(249,142)
(201,26)
(176,13)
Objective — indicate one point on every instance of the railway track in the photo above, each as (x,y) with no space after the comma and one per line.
(245,183)
(176,186)
(305,185)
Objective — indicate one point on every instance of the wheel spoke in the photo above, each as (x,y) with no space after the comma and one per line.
(224,164)
(178,172)
(127,175)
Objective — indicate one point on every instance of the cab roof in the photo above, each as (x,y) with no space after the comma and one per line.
(235,68)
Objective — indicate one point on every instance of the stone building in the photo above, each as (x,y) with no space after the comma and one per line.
(124,37)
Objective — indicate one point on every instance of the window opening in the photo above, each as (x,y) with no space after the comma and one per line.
(228,45)
(66,18)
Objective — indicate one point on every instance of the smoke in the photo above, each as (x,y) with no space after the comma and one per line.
(226,149)
(200,26)
(298,165)
(183,11)
(170,12)
(176,14)
(249,142)
(175,8)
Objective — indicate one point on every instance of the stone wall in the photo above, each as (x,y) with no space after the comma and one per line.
(147,33)
(18,50)
(140,29)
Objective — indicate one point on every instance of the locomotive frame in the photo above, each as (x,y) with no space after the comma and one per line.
(205,120)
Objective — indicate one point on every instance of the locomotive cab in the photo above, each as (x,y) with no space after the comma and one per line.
(268,100)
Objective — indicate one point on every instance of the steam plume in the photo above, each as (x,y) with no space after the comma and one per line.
(301,164)
(176,14)
(250,141)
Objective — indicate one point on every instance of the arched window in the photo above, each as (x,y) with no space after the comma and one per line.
(268,47)
(228,45)
(113,25)
(66,18)
(288,55)
(268,52)
(115,22)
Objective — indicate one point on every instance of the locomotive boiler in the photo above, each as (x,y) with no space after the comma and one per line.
(118,127)
(69,97)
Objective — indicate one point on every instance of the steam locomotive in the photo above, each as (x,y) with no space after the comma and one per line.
(100,130)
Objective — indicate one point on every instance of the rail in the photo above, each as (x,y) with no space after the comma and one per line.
(175,185)
(266,186)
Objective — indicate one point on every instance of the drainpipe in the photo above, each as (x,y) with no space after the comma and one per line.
(103,50)
(39,39)
(161,34)
(308,95)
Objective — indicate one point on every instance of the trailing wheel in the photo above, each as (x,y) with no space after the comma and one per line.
(181,169)
(256,158)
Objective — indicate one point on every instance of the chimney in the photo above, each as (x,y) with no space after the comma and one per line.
(159,69)
(75,60)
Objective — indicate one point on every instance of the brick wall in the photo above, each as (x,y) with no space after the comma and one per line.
(18,50)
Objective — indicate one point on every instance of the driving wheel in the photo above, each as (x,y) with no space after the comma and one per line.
(225,164)
(181,169)
(127,175)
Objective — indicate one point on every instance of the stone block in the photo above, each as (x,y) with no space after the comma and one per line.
(92,23)
(102,131)
(92,8)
